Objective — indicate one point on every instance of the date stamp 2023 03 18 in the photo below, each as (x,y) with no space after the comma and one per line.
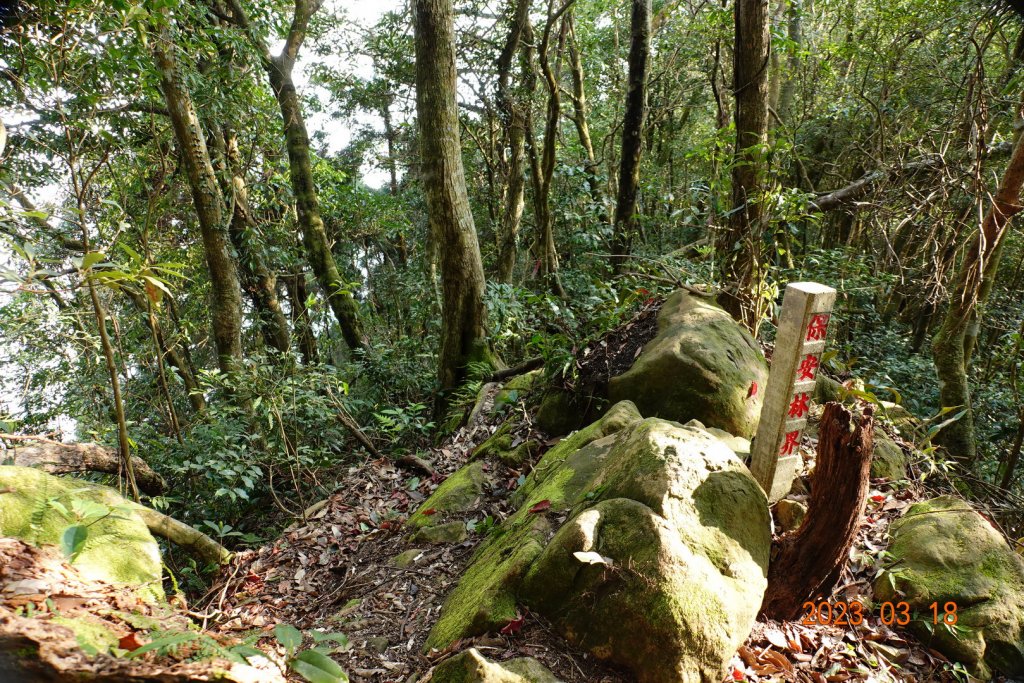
(854,613)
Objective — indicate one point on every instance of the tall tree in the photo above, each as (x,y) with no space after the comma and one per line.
(260,283)
(973,280)
(741,244)
(225,293)
(632,132)
(307,203)
(579,119)
(463,338)
(547,253)
(511,110)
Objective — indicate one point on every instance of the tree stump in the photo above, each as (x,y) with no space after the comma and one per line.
(806,563)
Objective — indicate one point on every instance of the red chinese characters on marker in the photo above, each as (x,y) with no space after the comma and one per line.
(800,405)
(808,368)
(818,328)
(791,443)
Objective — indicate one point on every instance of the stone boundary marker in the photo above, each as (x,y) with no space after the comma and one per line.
(803,324)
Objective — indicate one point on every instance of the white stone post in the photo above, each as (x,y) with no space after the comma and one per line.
(775,452)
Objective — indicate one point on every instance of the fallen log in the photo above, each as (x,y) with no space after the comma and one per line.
(66,458)
(806,563)
(188,538)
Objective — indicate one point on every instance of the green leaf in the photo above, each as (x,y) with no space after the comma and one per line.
(248,651)
(73,539)
(318,668)
(91,259)
(289,636)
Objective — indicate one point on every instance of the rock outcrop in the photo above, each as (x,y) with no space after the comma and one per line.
(659,565)
(942,551)
(38,507)
(702,365)
(472,667)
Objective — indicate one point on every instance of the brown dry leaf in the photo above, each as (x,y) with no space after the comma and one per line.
(776,637)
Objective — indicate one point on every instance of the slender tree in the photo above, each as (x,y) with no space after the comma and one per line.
(307,202)
(632,132)
(225,290)
(974,277)
(463,338)
(511,111)
(741,244)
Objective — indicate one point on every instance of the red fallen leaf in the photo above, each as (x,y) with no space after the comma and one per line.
(428,512)
(738,675)
(130,642)
(514,626)
(752,391)
(540,507)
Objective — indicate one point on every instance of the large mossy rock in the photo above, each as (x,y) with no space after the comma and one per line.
(456,494)
(943,551)
(118,549)
(684,533)
(888,460)
(472,667)
(701,365)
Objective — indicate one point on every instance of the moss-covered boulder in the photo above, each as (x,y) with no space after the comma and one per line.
(519,388)
(472,667)
(561,412)
(943,551)
(660,567)
(702,365)
(485,598)
(38,507)
(888,460)
(458,493)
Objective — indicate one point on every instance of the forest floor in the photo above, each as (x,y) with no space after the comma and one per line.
(336,572)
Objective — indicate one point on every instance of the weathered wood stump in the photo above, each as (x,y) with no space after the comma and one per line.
(806,563)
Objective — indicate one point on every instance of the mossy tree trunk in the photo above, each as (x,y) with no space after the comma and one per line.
(545,249)
(579,119)
(973,281)
(463,338)
(307,203)
(226,297)
(295,286)
(632,133)
(740,246)
(511,106)
(259,282)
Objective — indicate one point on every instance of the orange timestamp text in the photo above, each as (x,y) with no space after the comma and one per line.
(853,613)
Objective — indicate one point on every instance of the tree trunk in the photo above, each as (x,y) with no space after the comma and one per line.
(225,291)
(579,119)
(807,562)
(972,281)
(260,284)
(513,118)
(787,91)
(295,285)
(632,133)
(170,352)
(740,246)
(307,203)
(547,254)
(463,337)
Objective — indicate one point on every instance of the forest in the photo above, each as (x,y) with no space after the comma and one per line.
(511,341)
